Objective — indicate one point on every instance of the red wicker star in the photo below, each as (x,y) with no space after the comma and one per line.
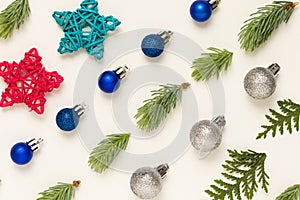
(28,81)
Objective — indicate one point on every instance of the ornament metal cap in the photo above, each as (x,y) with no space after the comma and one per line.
(214,3)
(274,68)
(34,144)
(80,109)
(121,71)
(163,170)
(165,35)
(220,121)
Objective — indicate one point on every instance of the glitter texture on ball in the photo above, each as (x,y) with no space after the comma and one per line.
(146,183)
(260,83)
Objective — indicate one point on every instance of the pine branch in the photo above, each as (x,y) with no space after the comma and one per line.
(13,17)
(61,191)
(263,22)
(243,173)
(156,109)
(107,150)
(211,64)
(288,118)
(291,193)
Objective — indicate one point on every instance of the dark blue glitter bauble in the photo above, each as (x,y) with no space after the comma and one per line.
(200,10)
(67,119)
(153,45)
(109,81)
(21,153)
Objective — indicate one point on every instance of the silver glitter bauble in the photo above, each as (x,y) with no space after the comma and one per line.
(260,82)
(205,135)
(146,182)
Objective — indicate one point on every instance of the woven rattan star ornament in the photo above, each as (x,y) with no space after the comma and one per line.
(28,81)
(84,28)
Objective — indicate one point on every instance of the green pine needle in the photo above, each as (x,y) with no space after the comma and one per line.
(156,109)
(107,150)
(211,64)
(243,173)
(288,118)
(291,193)
(263,22)
(13,16)
(61,191)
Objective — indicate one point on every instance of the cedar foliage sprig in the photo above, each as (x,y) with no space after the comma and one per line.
(243,173)
(107,150)
(156,109)
(61,191)
(291,193)
(288,118)
(211,64)
(13,16)
(263,22)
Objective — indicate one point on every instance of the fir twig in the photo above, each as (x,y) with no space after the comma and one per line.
(13,17)
(278,121)
(156,109)
(291,193)
(263,22)
(61,191)
(244,172)
(107,150)
(211,64)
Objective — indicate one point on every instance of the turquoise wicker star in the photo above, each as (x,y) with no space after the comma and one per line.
(84,28)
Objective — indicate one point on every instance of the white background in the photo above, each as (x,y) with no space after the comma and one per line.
(62,156)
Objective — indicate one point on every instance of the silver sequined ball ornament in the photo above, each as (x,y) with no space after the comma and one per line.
(206,136)
(146,182)
(260,82)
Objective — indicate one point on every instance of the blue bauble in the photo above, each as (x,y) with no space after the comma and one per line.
(67,119)
(200,10)
(21,153)
(153,45)
(109,81)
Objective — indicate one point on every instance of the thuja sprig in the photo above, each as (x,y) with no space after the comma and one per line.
(288,118)
(291,193)
(107,150)
(61,191)
(243,173)
(263,22)
(156,109)
(13,16)
(211,64)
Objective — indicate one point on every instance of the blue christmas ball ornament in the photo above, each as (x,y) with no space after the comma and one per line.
(201,10)
(109,81)
(67,119)
(154,44)
(21,153)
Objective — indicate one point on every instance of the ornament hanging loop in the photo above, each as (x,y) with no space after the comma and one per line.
(274,68)
(34,144)
(163,170)
(220,121)
(121,71)
(80,109)
(165,35)
(214,3)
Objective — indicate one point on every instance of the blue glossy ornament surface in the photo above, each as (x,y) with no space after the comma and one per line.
(200,10)
(21,153)
(109,81)
(153,45)
(67,119)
